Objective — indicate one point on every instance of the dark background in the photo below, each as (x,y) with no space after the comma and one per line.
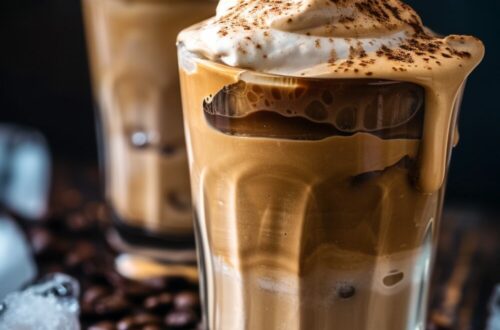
(44,83)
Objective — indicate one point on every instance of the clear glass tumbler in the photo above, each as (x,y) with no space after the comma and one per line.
(308,212)
(136,86)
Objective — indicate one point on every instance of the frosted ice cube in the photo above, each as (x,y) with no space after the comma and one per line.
(24,171)
(494,321)
(63,287)
(50,305)
(16,262)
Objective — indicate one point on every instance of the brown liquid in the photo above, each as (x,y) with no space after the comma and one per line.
(309,216)
(134,66)
(315,109)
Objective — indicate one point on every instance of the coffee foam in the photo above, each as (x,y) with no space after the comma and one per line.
(316,38)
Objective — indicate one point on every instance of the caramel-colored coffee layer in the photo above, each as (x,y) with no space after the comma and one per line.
(318,109)
(134,67)
(308,221)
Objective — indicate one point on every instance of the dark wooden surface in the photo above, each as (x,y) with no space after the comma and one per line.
(467,267)
(465,273)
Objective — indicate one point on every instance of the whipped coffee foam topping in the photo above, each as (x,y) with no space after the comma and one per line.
(318,37)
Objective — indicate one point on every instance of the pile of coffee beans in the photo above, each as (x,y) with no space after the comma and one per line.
(71,240)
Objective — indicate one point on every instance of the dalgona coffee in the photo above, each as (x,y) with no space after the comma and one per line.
(319,135)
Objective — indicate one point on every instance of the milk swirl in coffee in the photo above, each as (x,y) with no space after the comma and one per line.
(319,134)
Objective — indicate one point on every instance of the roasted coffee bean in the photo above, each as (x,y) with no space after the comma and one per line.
(132,289)
(70,199)
(114,278)
(146,288)
(91,294)
(136,290)
(115,304)
(139,321)
(181,319)
(94,293)
(126,324)
(80,253)
(160,283)
(152,327)
(159,303)
(105,325)
(146,318)
(186,300)
(78,223)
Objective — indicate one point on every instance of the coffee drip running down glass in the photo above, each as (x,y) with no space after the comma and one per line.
(136,87)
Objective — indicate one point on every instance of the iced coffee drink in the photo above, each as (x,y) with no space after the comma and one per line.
(319,135)
(136,86)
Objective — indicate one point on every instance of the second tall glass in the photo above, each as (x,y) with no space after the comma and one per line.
(135,79)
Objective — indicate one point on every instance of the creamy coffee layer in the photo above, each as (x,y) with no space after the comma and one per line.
(135,73)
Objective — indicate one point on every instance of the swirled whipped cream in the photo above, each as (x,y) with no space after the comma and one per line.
(318,37)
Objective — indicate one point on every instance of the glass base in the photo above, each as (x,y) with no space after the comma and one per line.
(163,249)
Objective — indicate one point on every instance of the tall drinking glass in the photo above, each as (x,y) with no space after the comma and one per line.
(136,87)
(308,208)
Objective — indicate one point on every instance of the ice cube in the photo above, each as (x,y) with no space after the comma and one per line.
(49,305)
(24,171)
(494,321)
(63,287)
(16,262)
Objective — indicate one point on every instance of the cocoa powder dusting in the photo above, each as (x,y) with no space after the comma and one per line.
(388,16)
